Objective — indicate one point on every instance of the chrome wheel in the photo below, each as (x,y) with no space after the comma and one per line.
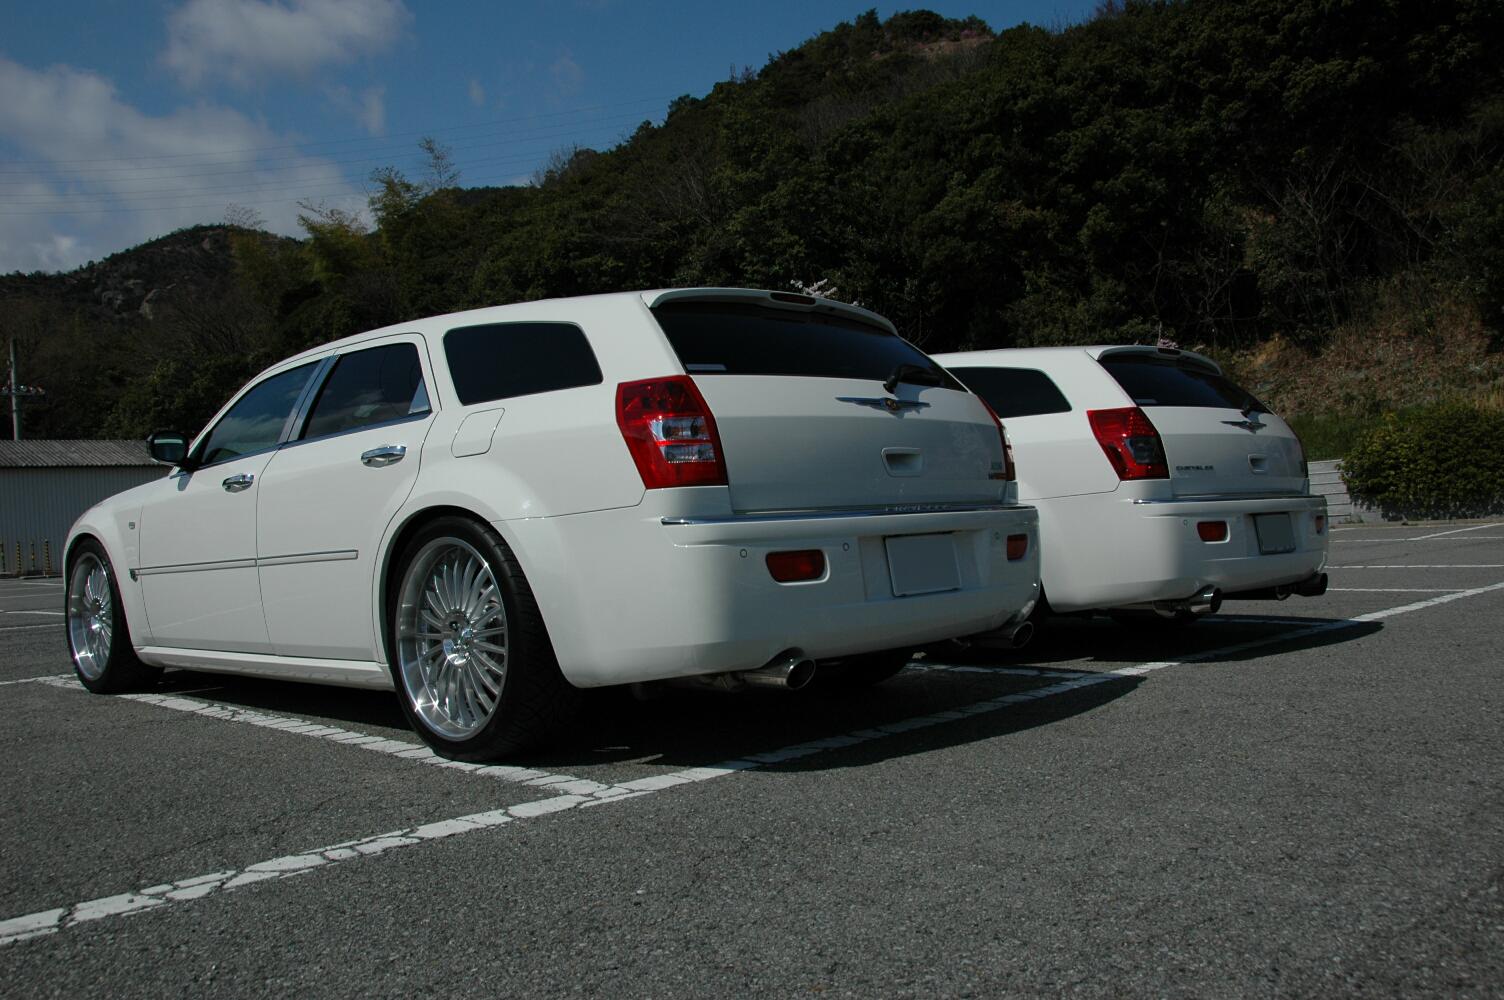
(452,643)
(90,615)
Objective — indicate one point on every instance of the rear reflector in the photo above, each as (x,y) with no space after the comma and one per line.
(1130,442)
(1212,531)
(792,567)
(670,433)
(1018,547)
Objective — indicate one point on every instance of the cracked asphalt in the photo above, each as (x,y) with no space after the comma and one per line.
(1285,799)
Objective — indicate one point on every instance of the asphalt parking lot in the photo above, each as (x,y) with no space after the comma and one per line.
(1289,799)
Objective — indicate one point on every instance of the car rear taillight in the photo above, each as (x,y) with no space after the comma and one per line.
(1300,449)
(1130,442)
(670,432)
(1018,547)
(1212,531)
(1010,471)
(794,567)
(1320,523)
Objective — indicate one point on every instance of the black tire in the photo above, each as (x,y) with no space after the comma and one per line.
(96,631)
(863,670)
(531,701)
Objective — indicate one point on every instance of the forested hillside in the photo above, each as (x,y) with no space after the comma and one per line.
(1271,181)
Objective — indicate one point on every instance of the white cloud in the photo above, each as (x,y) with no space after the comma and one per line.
(477,94)
(367,107)
(100,175)
(568,76)
(248,42)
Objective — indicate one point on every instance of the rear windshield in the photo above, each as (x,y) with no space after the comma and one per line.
(1153,381)
(1014,392)
(724,338)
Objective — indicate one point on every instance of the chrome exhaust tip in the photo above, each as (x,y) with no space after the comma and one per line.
(1019,637)
(790,672)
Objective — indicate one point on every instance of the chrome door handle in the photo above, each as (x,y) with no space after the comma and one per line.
(237,483)
(387,454)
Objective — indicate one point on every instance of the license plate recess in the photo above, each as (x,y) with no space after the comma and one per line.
(1275,533)
(922,564)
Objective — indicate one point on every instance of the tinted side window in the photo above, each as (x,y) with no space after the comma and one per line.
(255,423)
(502,360)
(1014,392)
(1152,381)
(727,338)
(369,387)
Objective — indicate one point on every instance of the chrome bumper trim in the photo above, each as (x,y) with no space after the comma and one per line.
(830,515)
(1231,498)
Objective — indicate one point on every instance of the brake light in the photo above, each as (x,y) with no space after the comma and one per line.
(793,567)
(1130,442)
(1010,471)
(670,433)
(1300,449)
(1320,523)
(1212,531)
(1018,547)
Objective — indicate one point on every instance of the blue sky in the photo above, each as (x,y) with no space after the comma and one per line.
(121,121)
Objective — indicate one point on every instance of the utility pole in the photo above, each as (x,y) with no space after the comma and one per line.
(15,390)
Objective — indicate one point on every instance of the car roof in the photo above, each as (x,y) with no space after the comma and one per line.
(1043,355)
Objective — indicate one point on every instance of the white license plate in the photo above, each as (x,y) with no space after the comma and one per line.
(1275,533)
(922,564)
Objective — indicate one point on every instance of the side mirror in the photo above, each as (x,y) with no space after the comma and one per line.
(168,447)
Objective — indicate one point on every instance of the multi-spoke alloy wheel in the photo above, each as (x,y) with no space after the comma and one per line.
(452,640)
(99,637)
(90,616)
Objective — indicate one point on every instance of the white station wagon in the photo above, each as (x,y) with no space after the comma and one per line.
(1161,485)
(490,509)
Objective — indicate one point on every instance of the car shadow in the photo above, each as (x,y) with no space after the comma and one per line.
(666,728)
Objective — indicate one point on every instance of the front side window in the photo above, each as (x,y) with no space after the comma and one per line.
(374,386)
(503,360)
(256,421)
(1014,392)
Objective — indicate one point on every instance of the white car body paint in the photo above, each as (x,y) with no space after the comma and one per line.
(1109,543)
(633,584)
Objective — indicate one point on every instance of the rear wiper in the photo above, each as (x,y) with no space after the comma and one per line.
(917,374)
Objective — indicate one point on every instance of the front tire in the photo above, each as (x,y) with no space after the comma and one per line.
(99,638)
(471,659)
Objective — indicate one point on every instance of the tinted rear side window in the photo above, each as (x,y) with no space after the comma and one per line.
(502,360)
(369,387)
(1152,381)
(1014,392)
(724,338)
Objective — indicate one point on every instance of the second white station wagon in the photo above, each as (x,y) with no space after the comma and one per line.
(1161,485)
(490,509)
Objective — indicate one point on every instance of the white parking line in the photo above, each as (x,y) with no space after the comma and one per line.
(302,727)
(51,921)
(1413,538)
(32,680)
(1393,590)
(1425,566)
(17,628)
(1458,531)
(60,614)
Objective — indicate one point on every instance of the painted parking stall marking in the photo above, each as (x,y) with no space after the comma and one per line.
(186,890)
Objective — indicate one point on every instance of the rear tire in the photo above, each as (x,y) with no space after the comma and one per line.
(99,638)
(474,669)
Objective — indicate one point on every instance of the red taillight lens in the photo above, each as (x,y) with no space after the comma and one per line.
(1010,472)
(1320,523)
(1212,531)
(1305,467)
(670,433)
(1130,442)
(792,567)
(1018,547)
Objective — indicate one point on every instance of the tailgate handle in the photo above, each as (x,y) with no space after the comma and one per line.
(1259,464)
(903,461)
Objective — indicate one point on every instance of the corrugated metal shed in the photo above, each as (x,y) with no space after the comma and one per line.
(46,485)
(72,454)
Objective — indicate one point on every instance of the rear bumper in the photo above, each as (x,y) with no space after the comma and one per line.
(638,594)
(1108,551)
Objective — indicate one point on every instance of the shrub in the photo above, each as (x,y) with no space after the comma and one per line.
(1438,461)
